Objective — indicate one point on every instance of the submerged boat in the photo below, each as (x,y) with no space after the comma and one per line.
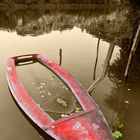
(88,124)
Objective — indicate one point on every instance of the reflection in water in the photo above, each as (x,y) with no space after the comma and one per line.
(60,57)
(76,33)
(97,54)
(113,24)
(108,57)
(133,49)
(123,99)
(106,64)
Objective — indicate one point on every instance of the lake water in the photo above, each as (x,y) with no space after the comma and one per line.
(77,34)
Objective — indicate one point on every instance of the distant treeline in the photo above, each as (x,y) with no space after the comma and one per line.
(69,1)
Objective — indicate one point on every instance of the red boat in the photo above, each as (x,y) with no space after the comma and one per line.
(86,125)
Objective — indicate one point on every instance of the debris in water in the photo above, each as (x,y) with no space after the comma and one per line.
(43,84)
(77,109)
(61,101)
(42,96)
(33,83)
(127,102)
(63,86)
(41,137)
(67,89)
(64,115)
(49,93)
(119,81)
(129,89)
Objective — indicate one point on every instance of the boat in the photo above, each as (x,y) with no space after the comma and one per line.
(88,124)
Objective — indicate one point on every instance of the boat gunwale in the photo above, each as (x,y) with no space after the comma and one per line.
(11,84)
(43,120)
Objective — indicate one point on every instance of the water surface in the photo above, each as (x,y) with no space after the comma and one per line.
(77,33)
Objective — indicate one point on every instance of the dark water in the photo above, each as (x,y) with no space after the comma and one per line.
(77,33)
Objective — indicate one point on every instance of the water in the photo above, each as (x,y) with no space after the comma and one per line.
(77,34)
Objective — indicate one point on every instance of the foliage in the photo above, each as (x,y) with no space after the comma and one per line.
(120,125)
(117,134)
(117,131)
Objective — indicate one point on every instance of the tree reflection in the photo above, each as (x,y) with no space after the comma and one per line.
(112,23)
(124,96)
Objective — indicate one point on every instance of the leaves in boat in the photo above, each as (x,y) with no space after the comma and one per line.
(60,104)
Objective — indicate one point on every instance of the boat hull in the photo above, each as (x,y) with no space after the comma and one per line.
(86,125)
